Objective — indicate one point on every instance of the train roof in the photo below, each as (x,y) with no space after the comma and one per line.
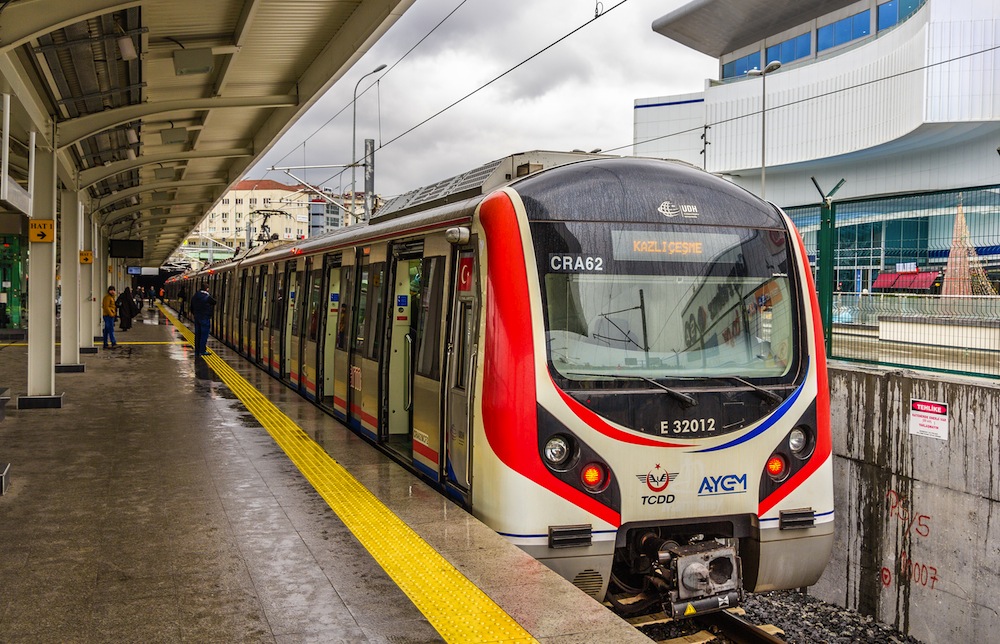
(642,190)
(478,181)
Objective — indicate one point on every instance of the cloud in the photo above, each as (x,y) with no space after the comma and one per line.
(577,94)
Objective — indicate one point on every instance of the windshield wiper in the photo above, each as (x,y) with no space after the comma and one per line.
(689,401)
(760,391)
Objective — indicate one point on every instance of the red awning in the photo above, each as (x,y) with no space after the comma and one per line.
(885,280)
(904,281)
(923,281)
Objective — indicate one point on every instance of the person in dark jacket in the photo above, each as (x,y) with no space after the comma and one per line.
(126,309)
(202,307)
(182,301)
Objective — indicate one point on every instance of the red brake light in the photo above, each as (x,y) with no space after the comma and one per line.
(776,467)
(594,476)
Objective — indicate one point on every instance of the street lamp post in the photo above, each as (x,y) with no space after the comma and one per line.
(772,66)
(354,133)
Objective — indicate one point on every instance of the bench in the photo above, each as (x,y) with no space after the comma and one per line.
(4,399)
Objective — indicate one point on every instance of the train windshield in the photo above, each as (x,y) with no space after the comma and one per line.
(666,303)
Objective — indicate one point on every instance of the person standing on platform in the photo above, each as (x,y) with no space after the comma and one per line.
(126,309)
(151,292)
(202,307)
(109,310)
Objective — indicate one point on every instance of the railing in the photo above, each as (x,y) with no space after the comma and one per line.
(955,334)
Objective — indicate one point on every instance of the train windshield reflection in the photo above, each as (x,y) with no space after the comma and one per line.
(663,318)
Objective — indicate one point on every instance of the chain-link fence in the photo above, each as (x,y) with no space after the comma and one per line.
(916,280)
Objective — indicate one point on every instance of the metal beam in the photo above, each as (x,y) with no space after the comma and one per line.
(92,176)
(240,36)
(125,213)
(150,187)
(29,19)
(77,129)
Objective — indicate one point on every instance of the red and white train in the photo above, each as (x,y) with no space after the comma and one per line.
(616,363)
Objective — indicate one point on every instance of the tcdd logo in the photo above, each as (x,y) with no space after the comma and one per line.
(657,481)
(725,484)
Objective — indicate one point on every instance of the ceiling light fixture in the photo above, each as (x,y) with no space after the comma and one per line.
(193,61)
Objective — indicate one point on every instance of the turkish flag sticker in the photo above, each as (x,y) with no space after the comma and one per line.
(465,274)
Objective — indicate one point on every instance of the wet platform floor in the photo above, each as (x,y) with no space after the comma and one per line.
(154,507)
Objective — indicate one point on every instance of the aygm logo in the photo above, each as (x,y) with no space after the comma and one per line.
(725,484)
(657,480)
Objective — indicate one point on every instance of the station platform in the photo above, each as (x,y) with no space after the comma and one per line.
(175,498)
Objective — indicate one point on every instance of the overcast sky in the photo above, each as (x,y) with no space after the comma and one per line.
(578,94)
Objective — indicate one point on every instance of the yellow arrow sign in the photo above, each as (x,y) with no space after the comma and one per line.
(41,230)
(86,257)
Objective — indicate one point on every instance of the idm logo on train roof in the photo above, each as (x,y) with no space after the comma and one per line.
(725,484)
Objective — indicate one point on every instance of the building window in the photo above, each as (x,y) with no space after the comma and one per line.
(267,201)
(253,201)
(790,50)
(225,216)
(211,229)
(239,201)
(740,66)
(844,31)
(239,215)
(225,230)
(896,11)
(225,201)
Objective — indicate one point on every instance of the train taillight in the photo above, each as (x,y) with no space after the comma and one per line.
(594,477)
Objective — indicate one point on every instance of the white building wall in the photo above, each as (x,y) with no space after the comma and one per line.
(915,108)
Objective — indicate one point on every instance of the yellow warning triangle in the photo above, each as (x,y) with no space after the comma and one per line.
(689,610)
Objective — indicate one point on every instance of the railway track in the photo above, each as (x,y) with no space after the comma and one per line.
(723,626)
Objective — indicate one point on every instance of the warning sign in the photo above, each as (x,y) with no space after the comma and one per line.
(41,230)
(928,418)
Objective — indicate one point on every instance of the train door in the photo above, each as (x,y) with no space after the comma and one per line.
(412,383)
(290,344)
(461,385)
(367,325)
(339,369)
(326,363)
(311,327)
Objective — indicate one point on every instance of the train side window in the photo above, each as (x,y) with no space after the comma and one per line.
(312,328)
(361,310)
(428,349)
(375,293)
(294,288)
(347,297)
(265,312)
(462,344)
(278,301)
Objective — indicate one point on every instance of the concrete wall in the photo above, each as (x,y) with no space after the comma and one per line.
(917,543)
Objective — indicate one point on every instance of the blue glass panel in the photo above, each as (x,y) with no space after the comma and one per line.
(773,53)
(886,15)
(753,61)
(729,70)
(741,66)
(862,24)
(842,30)
(907,7)
(824,38)
(787,51)
(803,46)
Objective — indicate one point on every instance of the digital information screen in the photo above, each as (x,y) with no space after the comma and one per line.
(659,246)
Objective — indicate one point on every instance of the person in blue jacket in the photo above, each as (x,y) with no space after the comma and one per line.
(202,307)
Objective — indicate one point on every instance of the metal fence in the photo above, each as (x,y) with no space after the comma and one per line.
(915,280)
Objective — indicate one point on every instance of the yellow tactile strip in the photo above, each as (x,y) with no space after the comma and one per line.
(455,607)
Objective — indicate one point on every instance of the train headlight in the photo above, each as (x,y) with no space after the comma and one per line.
(557,451)
(594,477)
(777,468)
(798,441)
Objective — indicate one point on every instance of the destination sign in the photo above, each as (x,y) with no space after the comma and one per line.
(665,246)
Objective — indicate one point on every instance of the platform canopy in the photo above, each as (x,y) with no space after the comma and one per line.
(157,107)
(717,27)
